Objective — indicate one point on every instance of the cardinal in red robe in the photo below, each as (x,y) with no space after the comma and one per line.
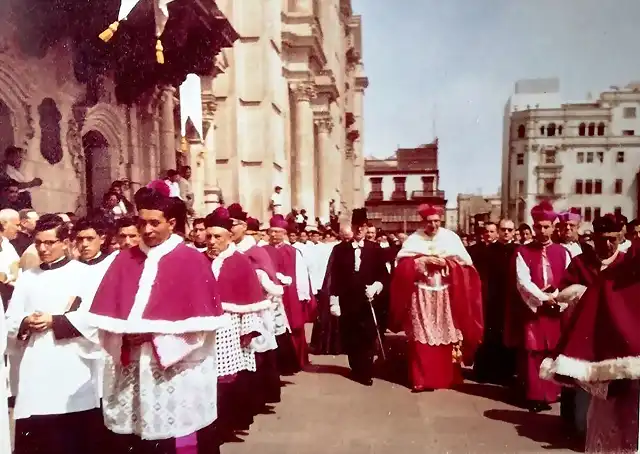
(436,298)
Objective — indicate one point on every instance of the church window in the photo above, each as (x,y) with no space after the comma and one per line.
(520,159)
(580,157)
(579,186)
(542,129)
(600,156)
(521,132)
(589,157)
(560,129)
(596,212)
(592,129)
(520,187)
(550,187)
(620,157)
(582,129)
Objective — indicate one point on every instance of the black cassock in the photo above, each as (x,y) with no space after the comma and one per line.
(357,326)
(495,363)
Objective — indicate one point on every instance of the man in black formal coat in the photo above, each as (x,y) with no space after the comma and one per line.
(358,274)
(495,363)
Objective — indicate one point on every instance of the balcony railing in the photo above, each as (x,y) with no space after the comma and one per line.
(427,194)
(376,195)
(399,195)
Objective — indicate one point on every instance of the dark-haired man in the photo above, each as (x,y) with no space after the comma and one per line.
(157,310)
(57,402)
(127,233)
(199,235)
(11,196)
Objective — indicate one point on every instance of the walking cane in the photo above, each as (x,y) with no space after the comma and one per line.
(375,322)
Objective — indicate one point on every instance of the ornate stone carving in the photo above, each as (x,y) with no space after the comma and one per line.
(325,125)
(209,105)
(167,93)
(349,151)
(305,91)
(74,146)
(50,141)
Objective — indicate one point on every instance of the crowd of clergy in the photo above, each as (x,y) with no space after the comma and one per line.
(153,332)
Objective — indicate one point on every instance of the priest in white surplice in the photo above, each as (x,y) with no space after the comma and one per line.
(57,404)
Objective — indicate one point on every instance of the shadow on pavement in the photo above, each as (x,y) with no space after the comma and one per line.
(492,392)
(329,369)
(539,427)
(395,369)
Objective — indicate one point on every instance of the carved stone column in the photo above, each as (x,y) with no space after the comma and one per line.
(167,129)
(347,179)
(328,168)
(211,190)
(304,168)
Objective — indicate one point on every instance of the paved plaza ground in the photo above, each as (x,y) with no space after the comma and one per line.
(324,412)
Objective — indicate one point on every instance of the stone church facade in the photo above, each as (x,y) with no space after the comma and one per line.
(288,108)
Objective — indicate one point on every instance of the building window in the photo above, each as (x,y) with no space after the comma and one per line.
(597,187)
(376,184)
(428,184)
(629,112)
(600,156)
(551,130)
(521,132)
(542,130)
(560,128)
(628,132)
(400,191)
(618,186)
(588,187)
(601,129)
(620,157)
(550,157)
(550,187)
(596,212)
(580,157)
(579,186)
(587,214)
(589,157)
(520,159)
(520,187)
(617,211)
(577,210)
(582,129)
(592,129)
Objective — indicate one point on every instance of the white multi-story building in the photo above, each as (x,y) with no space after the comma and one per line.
(582,155)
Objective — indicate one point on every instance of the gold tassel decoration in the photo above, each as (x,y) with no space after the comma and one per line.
(159,52)
(109,32)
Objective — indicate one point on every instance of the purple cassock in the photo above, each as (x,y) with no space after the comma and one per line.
(535,325)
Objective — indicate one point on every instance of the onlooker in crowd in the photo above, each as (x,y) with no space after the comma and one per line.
(11,196)
(275,205)
(124,205)
(172,181)
(13,157)
(24,239)
(526,234)
(9,258)
(186,191)
(127,233)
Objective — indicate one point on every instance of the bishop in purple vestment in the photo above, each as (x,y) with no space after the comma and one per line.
(540,267)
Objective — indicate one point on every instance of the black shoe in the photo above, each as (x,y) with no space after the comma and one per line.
(537,407)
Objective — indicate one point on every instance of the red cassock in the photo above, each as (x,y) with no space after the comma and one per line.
(432,366)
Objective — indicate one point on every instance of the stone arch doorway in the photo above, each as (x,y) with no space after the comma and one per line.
(97,168)
(6,128)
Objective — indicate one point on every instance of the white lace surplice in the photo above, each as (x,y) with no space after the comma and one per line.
(168,403)
(431,319)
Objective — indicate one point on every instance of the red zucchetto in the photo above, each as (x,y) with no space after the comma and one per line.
(425,210)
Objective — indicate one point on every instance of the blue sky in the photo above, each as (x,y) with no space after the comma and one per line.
(458,60)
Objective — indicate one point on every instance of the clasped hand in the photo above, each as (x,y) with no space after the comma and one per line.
(39,322)
(427,261)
